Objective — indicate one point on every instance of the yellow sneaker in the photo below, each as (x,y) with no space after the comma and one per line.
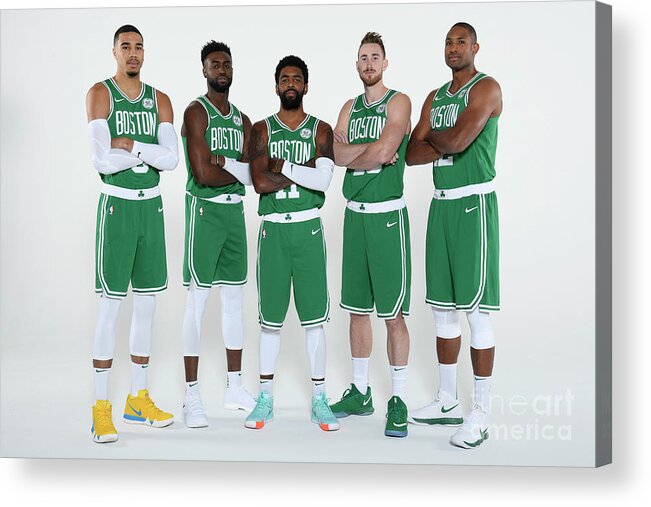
(103,430)
(141,410)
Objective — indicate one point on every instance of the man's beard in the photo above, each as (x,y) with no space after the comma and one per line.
(370,80)
(133,73)
(291,104)
(220,88)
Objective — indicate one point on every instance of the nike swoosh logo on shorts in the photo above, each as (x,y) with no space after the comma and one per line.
(160,210)
(314,232)
(391,224)
(468,210)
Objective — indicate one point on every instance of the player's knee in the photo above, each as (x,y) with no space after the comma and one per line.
(447,323)
(481,330)
(232,299)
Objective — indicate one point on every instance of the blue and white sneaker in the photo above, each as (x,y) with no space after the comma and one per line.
(263,412)
(322,414)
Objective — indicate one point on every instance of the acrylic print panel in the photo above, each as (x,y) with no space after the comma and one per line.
(544,393)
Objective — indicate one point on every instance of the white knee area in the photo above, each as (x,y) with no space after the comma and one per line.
(232,302)
(316,350)
(447,323)
(481,331)
(269,348)
(195,304)
(104,339)
(141,324)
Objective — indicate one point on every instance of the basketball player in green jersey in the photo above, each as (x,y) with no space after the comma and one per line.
(132,139)
(291,165)
(215,137)
(370,140)
(457,131)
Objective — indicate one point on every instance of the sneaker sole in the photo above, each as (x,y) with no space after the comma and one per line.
(326,427)
(450,421)
(257,425)
(342,415)
(105,439)
(146,422)
(196,425)
(395,433)
(468,445)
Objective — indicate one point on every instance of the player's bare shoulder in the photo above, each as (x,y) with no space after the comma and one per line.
(487,90)
(165,111)
(98,102)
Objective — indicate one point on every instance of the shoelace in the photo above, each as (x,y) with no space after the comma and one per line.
(399,411)
(321,408)
(193,405)
(263,404)
(151,409)
(473,416)
(104,417)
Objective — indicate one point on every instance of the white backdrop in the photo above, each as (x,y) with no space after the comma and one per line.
(515,44)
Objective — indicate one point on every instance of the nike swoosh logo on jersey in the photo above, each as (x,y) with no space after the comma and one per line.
(276,131)
(468,210)
(446,410)
(119,100)
(391,224)
(399,425)
(213,117)
(314,232)
(357,110)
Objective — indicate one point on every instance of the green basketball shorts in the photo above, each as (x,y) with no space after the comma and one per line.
(215,243)
(130,246)
(462,253)
(376,264)
(292,254)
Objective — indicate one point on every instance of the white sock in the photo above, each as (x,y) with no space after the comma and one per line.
(318,387)
(448,378)
(267,385)
(360,373)
(482,396)
(192,387)
(101,383)
(398,380)
(233,379)
(138,377)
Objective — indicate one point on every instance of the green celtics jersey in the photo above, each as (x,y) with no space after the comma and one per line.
(476,164)
(296,146)
(365,125)
(136,119)
(225,136)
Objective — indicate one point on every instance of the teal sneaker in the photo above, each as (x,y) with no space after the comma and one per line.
(322,415)
(353,402)
(262,413)
(396,418)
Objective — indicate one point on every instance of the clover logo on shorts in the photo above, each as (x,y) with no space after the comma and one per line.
(305,133)
(148,103)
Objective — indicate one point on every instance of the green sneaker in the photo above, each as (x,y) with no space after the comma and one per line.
(353,402)
(396,418)
(263,412)
(322,415)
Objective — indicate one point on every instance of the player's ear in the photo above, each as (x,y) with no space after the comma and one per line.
(205,74)
(305,89)
(277,92)
(385,64)
(475,48)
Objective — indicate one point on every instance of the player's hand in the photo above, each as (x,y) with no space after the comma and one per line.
(123,143)
(394,159)
(340,137)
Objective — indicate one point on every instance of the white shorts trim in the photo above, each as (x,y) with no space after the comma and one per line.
(221,199)
(130,194)
(292,217)
(376,207)
(458,193)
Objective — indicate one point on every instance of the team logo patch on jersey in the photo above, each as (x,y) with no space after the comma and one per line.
(237,121)
(463,92)
(306,133)
(381,108)
(148,103)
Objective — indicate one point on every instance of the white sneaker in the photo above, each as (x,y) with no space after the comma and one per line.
(444,410)
(193,413)
(473,431)
(238,398)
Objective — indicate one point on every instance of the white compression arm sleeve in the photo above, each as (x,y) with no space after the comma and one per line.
(315,178)
(238,169)
(107,160)
(163,156)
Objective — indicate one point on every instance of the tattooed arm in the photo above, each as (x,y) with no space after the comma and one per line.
(265,180)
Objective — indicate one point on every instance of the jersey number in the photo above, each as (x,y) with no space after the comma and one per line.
(140,169)
(288,193)
(362,173)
